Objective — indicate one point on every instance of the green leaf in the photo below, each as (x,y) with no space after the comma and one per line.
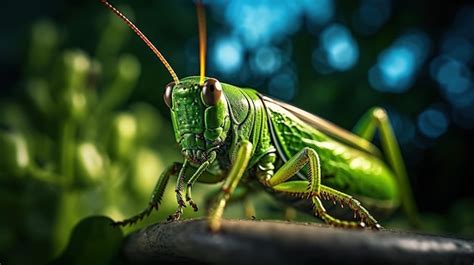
(93,241)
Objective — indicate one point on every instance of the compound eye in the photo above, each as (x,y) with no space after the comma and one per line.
(211,92)
(167,95)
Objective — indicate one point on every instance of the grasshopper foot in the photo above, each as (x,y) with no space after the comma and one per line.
(377,227)
(177,215)
(174,217)
(193,204)
(134,219)
(214,225)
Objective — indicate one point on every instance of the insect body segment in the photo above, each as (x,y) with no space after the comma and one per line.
(200,118)
(343,167)
(248,141)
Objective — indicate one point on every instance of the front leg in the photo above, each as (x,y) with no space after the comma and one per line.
(180,186)
(195,177)
(179,191)
(239,166)
(155,196)
(240,195)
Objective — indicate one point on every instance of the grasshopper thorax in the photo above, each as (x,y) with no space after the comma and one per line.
(200,116)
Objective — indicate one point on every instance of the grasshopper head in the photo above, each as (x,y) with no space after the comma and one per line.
(199,115)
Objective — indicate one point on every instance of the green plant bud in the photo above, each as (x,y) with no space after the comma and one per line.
(44,40)
(149,122)
(114,34)
(15,156)
(14,115)
(147,167)
(95,73)
(123,136)
(38,92)
(128,71)
(75,67)
(77,102)
(128,68)
(90,164)
(72,79)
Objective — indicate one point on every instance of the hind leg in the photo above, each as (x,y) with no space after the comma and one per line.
(377,118)
(298,188)
(312,188)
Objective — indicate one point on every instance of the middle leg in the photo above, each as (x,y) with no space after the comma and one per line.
(230,184)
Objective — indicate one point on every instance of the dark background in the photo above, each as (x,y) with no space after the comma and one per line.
(433,116)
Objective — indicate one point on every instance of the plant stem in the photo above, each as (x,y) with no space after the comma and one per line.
(67,204)
(67,144)
(46,176)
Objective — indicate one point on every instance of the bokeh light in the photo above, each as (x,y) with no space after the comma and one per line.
(227,55)
(403,127)
(72,160)
(454,79)
(258,32)
(452,68)
(259,22)
(433,122)
(318,12)
(337,50)
(394,70)
(397,66)
(458,47)
(283,85)
(266,60)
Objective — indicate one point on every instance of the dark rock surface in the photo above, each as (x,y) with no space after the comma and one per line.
(270,242)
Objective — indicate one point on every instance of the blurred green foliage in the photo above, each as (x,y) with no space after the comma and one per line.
(81,138)
(70,145)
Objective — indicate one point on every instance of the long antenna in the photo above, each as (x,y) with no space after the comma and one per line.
(144,38)
(202,40)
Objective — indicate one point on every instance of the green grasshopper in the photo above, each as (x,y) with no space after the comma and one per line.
(245,139)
